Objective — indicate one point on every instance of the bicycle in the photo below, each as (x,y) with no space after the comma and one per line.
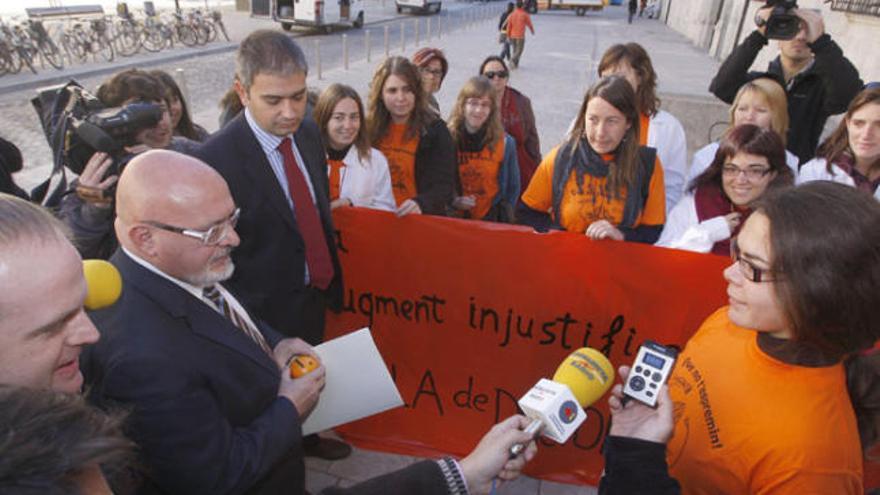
(18,41)
(217,19)
(45,44)
(80,43)
(128,35)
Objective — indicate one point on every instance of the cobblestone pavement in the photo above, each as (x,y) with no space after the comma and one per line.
(208,76)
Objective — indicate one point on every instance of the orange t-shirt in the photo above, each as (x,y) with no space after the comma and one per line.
(401,155)
(335,167)
(644,124)
(746,423)
(583,206)
(478,173)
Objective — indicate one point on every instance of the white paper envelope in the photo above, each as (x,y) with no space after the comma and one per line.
(358,383)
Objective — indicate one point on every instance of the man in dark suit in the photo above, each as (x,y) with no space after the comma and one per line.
(278,277)
(272,158)
(213,409)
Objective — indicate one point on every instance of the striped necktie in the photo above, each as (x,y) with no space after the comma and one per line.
(212,293)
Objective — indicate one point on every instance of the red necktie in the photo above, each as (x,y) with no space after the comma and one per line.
(308,220)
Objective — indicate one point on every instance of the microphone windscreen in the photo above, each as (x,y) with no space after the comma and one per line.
(104,284)
(588,374)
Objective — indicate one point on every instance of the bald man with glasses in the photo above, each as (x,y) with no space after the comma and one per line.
(213,408)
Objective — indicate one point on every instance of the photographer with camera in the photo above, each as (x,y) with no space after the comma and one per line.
(141,122)
(818,79)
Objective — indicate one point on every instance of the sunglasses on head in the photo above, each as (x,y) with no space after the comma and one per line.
(491,74)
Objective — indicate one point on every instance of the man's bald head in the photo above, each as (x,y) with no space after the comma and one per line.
(161,182)
(166,202)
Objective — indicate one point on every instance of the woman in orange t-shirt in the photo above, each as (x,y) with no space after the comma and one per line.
(774,394)
(600,182)
(414,139)
(488,173)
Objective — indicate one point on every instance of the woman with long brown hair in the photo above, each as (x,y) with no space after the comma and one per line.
(851,155)
(777,391)
(358,173)
(600,181)
(750,161)
(488,174)
(417,144)
(658,129)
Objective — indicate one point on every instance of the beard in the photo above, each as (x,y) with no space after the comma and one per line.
(211,276)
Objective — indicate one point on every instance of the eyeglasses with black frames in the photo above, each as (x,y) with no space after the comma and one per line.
(752,172)
(748,269)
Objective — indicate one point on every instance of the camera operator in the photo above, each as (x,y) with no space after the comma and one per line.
(818,79)
(88,207)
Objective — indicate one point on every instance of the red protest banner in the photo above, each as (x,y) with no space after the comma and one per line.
(469,315)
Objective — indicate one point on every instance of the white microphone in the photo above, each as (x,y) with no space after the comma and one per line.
(557,406)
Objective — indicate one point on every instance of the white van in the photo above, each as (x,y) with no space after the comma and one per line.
(580,7)
(421,6)
(318,13)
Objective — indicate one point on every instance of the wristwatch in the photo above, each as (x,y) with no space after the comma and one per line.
(759,21)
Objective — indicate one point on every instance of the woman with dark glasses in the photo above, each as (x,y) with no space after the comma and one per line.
(517,117)
(777,391)
(749,161)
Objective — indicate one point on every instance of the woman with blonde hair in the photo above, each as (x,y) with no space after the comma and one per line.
(417,144)
(358,172)
(851,155)
(761,102)
(600,181)
(488,173)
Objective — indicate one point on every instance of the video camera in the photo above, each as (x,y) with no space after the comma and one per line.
(782,24)
(77,124)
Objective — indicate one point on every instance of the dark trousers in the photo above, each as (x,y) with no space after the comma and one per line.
(303,316)
(505,49)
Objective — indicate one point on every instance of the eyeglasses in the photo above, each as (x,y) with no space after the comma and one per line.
(492,74)
(211,237)
(478,104)
(747,268)
(751,173)
(433,72)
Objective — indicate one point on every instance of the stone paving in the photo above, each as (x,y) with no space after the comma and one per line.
(557,66)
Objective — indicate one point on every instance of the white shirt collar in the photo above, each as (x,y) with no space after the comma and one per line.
(268,141)
(192,289)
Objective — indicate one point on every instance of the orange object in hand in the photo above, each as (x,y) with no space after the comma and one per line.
(302,364)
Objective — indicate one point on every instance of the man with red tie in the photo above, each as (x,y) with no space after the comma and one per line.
(271,156)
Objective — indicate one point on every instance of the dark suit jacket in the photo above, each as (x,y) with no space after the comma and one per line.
(270,261)
(202,394)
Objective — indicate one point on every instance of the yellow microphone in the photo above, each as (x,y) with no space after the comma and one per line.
(556,406)
(588,374)
(104,284)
